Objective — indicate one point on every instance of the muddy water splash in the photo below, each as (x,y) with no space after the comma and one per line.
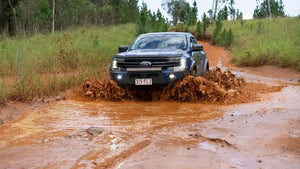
(216,86)
(105,90)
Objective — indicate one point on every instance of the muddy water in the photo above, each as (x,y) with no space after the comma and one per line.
(164,134)
(55,135)
(215,86)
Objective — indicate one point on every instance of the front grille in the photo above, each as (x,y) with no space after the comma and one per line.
(163,62)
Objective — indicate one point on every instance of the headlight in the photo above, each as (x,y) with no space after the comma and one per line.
(114,64)
(182,65)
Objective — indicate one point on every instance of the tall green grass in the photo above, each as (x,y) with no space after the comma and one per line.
(43,65)
(259,42)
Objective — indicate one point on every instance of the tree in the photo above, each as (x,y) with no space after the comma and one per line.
(181,11)
(192,16)
(232,10)
(239,15)
(34,15)
(177,9)
(106,15)
(62,19)
(224,38)
(53,16)
(215,36)
(223,13)
(150,22)
(199,30)
(210,13)
(277,9)
(205,24)
(8,16)
(162,23)
(128,11)
(81,12)
(39,15)
(143,19)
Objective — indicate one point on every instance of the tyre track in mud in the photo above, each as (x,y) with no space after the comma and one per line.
(113,161)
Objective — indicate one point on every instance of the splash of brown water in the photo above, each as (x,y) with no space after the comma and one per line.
(215,86)
(104,90)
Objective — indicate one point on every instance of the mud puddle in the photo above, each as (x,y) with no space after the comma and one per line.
(57,135)
(187,126)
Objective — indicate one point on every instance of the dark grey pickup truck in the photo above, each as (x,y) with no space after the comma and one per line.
(159,58)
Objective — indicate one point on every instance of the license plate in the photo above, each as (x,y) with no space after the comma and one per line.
(143,81)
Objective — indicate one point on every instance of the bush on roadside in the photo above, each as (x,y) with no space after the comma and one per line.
(223,38)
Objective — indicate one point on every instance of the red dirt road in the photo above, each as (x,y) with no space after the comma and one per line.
(163,134)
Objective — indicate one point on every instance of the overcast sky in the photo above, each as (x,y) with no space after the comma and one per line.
(292,7)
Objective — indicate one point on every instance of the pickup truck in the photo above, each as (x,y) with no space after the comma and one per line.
(158,59)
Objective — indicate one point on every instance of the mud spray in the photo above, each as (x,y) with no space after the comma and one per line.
(215,86)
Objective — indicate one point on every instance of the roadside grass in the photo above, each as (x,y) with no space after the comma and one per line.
(43,65)
(261,42)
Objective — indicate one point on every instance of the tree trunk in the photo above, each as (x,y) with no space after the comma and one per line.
(269,9)
(53,15)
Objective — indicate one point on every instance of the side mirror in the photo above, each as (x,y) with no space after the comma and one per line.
(123,48)
(197,47)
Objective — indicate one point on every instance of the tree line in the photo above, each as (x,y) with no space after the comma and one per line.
(35,16)
(276,9)
(28,16)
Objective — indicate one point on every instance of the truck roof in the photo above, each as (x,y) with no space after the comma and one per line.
(167,33)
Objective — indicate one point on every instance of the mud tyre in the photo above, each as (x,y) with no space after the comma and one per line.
(194,72)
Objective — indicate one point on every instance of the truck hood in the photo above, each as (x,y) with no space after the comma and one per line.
(151,53)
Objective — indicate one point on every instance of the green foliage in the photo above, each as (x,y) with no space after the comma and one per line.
(277,9)
(232,10)
(79,11)
(35,16)
(223,13)
(239,15)
(7,16)
(181,11)
(216,34)
(224,38)
(148,22)
(43,65)
(199,30)
(142,21)
(229,10)
(205,24)
(202,27)
(192,17)
(260,42)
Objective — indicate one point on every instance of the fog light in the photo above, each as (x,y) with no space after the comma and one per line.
(119,77)
(171,76)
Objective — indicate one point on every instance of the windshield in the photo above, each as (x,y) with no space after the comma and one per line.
(159,41)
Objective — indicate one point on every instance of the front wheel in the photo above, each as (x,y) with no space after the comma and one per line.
(194,72)
(207,68)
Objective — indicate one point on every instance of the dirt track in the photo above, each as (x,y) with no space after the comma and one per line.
(263,133)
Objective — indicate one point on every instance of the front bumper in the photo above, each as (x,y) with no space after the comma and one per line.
(158,77)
